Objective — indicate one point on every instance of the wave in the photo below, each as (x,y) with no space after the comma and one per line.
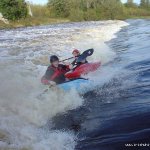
(23,116)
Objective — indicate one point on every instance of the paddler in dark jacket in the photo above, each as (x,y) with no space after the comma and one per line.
(55,72)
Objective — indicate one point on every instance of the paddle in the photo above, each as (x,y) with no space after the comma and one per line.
(85,54)
(45,91)
(66,59)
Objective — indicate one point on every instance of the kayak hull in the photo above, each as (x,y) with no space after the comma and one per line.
(83,70)
(78,85)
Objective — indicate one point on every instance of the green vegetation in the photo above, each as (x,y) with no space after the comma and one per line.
(13,9)
(32,22)
(83,10)
(132,10)
(56,11)
(41,16)
(78,10)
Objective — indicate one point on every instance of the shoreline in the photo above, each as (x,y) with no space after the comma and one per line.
(32,22)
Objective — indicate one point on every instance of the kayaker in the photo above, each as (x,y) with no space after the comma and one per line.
(76,54)
(55,72)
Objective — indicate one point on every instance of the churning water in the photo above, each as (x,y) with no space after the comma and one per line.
(113,113)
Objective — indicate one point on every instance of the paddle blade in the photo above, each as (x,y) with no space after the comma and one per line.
(85,54)
(88,52)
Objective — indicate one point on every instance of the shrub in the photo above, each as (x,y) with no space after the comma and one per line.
(13,9)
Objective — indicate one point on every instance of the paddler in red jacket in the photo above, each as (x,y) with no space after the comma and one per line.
(55,72)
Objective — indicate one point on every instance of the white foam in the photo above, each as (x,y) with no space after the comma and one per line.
(21,112)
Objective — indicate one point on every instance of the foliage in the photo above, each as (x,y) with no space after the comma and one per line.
(40,11)
(130,4)
(13,9)
(145,4)
(78,10)
(61,8)
(71,10)
(76,15)
(135,12)
(112,9)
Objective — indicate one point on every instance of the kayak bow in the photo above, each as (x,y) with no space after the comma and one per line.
(83,70)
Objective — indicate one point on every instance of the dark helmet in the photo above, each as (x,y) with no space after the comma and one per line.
(53,58)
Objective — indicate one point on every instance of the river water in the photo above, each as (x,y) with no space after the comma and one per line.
(113,113)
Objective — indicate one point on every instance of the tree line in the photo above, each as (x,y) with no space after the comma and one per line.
(143,4)
(76,10)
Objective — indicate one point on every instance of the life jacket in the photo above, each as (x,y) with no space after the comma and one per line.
(77,64)
(55,74)
(75,61)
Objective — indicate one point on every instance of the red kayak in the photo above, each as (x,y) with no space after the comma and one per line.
(83,70)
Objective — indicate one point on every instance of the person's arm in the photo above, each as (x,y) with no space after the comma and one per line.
(74,62)
(52,83)
(65,68)
(48,75)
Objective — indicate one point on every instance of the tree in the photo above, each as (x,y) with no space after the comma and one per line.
(145,4)
(148,3)
(110,9)
(60,8)
(79,10)
(130,3)
(13,9)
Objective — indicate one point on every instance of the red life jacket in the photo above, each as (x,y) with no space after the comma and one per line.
(56,74)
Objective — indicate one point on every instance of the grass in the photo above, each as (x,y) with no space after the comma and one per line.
(35,21)
(46,21)
(32,22)
(43,16)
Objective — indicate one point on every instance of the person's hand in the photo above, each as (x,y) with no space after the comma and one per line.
(70,66)
(52,83)
(66,63)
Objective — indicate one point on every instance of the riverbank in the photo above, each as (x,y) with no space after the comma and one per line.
(45,21)
(31,22)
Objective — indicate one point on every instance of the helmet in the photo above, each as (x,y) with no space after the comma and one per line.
(53,58)
(76,51)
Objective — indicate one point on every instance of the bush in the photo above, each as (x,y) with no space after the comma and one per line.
(111,9)
(13,9)
(76,15)
(129,12)
(40,11)
(78,10)
(59,8)
(90,15)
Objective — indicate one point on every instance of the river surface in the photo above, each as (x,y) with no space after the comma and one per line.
(114,114)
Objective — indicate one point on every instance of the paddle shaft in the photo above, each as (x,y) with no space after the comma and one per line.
(85,53)
(66,59)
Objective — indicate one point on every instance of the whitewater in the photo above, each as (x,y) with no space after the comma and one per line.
(26,121)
